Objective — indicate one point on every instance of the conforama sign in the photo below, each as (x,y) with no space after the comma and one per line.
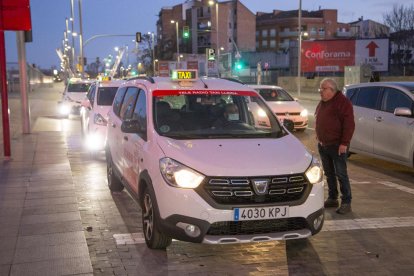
(333,55)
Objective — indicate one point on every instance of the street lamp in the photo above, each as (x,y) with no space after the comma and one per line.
(300,44)
(211,3)
(178,48)
(153,50)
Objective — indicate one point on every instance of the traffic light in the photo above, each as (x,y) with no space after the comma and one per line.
(186,32)
(138,37)
(211,54)
(238,65)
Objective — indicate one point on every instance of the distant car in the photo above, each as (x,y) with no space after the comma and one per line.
(94,112)
(384,120)
(73,95)
(284,105)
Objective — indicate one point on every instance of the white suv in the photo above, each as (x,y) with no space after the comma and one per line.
(94,112)
(190,152)
(73,95)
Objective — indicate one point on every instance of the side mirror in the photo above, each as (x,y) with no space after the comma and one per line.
(131,126)
(296,99)
(86,103)
(403,111)
(289,125)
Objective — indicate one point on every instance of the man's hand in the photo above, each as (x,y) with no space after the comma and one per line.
(342,149)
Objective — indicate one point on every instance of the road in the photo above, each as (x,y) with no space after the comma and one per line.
(377,238)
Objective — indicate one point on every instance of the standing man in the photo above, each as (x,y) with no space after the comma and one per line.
(335,126)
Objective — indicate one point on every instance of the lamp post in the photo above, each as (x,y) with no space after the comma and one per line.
(300,44)
(80,38)
(211,3)
(153,51)
(178,46)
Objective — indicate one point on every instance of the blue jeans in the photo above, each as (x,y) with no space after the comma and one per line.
(335,169)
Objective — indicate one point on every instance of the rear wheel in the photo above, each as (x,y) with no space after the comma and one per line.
(153,237)
(114,183)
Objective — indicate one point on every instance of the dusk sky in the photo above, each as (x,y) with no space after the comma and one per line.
(130,16)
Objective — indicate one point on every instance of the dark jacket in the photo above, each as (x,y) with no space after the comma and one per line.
(335,121)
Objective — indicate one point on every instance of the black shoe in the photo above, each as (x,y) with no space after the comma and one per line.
(330,203)
(344,209)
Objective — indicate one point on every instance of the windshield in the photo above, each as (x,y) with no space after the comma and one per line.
(213,114)
(274,94)
(78,87)
(106,95)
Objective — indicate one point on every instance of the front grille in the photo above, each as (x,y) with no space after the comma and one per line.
(251,227)
(280,189)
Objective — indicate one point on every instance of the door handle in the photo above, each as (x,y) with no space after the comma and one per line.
(113,125)
(126,138)
(378,119)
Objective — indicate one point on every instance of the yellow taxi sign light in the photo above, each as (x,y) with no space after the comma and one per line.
(184,75)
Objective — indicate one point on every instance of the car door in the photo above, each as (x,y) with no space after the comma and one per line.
(365,109)
(135,143)
(87,104)
(394,135)
(114,134)
(127,109)
(89,112)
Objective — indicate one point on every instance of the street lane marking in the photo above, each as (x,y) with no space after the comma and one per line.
(367,223)
(397,186)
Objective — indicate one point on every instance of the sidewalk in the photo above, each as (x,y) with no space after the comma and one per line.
(42,232)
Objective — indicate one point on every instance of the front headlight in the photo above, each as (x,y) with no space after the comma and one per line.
(179,175)
(304,113)
(315,172)
(99,120)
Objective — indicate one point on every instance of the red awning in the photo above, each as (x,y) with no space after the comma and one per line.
(15,15)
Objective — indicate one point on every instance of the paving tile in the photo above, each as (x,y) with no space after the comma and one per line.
(51,187)
(5,270)
(50,209)
(14,203)
(6,256)
(45,218)
(51,239)
(49,201)
(49,194)
(43,253)
(68,266)
(52,227)
(8,230)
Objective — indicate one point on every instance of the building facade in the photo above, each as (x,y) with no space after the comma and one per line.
(368,29)
(224,26)
(275,30)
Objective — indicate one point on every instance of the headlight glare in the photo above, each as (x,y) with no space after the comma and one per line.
(304,113)
(179,175)
(314,172)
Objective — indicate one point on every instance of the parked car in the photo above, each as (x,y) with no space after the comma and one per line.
(73,95)
(203,171)
(384,120)
(284,105)
(94,112)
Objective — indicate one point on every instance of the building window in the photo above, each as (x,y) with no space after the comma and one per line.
(257,33)
(272,43)
(229,25)
(264,33)
(257,44)
(264,43)
(272,32)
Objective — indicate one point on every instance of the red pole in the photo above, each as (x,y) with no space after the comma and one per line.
(4,100)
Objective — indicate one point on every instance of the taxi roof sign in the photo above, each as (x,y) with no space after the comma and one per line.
(184,75)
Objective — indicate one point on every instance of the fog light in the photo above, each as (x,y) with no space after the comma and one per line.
(190,230)
(64,109)
(317,223)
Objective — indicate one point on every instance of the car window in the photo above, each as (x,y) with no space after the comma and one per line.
(368,97)
(274,94)
(78,87)
(119,97)
(106,95)
(394,98)
(92,97)
(351,94)
(91,94)
(140,113)
(129,103)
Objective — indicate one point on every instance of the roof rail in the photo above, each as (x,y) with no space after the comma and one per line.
(233,80)
(147,78)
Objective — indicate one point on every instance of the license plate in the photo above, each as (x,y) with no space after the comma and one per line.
(258,213)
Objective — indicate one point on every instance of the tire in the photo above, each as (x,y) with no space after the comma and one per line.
(114,184)
(153,237)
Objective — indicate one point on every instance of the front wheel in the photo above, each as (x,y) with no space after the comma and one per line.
(114,184)
(153,237)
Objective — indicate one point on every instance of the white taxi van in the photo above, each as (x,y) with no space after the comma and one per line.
(189,150)
(73,95)
(94,112)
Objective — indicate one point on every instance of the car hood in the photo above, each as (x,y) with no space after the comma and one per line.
(290,106)
(239,157)
(76,96)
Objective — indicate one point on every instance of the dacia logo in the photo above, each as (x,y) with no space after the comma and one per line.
(260,186)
